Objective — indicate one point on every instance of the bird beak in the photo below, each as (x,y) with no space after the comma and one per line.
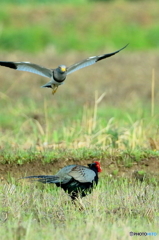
(63,69)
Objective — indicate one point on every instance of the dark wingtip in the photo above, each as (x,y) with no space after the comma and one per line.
(110,54)
(8,64)
(124,46)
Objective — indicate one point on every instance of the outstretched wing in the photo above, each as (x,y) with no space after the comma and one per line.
(28,67)
(91,60)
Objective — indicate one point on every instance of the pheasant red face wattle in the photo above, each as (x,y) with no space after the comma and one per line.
(98,166)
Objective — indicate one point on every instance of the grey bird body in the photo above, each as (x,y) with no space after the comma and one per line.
(58,75)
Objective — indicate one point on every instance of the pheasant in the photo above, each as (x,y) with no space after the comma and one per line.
(76,180)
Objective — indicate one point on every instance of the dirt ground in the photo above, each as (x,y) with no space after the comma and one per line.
(149,165)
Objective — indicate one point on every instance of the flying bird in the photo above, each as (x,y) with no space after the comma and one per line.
(76,180)
(59,74)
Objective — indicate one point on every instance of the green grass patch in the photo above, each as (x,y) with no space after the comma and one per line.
(113,128)
(43,2)
(79,26)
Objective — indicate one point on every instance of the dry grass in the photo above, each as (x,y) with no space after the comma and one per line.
(115,208)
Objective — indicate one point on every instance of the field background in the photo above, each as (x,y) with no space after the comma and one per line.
(106,112)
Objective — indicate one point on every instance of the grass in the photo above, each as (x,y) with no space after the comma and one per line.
(39,139)
(90,127)
(118,206)
(115,208)
(43,2)
(105,113)
(64,27)
(16,156)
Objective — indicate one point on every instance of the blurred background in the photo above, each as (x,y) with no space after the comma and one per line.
(112,104)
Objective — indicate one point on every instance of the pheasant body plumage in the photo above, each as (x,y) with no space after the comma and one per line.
(76,180)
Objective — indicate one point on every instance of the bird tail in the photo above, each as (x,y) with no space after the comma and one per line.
(43,178)
(48,85)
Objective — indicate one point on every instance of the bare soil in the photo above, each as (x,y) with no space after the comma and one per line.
(149,165)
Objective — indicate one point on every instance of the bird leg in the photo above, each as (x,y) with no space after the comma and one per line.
(54,89)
